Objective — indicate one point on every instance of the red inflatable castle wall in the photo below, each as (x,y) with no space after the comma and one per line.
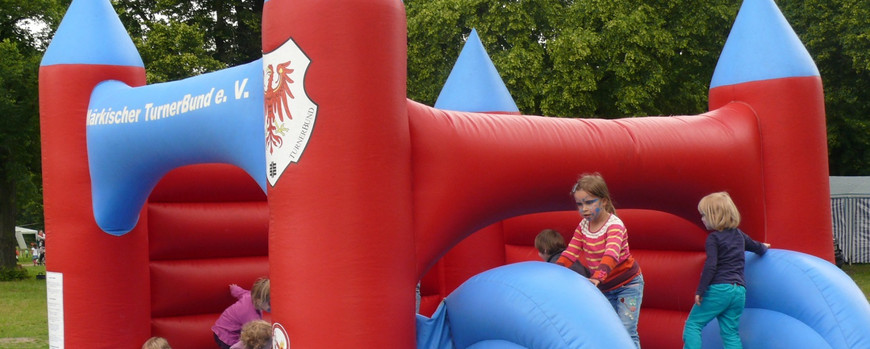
(388,186)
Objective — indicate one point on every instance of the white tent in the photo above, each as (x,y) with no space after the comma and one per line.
(19,236)
(850,206)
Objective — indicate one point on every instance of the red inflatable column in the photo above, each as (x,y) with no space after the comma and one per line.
(765,65)
(101,280)
(791,116)
(341,248)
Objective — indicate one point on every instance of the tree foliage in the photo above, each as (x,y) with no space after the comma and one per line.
(24,29)
(587,58)
(179,39)
(837,35)
(173,51)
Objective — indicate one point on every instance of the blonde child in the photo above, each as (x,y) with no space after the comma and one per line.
(550,244)
(721,293)
(249,306)
(156,343)
(600,242)
(256,334)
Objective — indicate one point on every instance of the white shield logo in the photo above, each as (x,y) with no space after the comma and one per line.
(289,112)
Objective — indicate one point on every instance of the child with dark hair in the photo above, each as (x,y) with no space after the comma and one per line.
(550,245)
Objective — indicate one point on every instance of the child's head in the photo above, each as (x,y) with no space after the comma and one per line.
(260,295)
(156,343)
(549,242)
(593,184)
(718,211)
(256,334)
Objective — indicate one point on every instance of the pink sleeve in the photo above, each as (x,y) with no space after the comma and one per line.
(237,291)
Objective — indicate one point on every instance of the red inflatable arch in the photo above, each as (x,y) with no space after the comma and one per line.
(388,186)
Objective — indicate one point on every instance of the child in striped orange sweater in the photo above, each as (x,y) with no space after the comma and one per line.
(600,243)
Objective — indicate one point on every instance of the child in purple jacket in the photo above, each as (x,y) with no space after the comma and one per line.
(249,306)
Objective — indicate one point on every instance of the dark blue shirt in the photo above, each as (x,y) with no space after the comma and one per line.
(576,266)
(725,258)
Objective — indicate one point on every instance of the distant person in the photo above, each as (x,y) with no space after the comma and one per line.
(600,242)
(550,245)
(256,334)
(41,260)
(156,343)
(249,306)
(721,292)
(40,238)
(34,253)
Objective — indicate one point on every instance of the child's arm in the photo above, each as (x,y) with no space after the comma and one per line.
(564,261)
(756,247)
(572,251)
(581,269)
(237,291)
(616,236)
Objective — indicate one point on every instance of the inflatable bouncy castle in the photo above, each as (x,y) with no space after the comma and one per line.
(310,166)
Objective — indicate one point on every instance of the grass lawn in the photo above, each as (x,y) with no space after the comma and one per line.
(24,319)
(861,274)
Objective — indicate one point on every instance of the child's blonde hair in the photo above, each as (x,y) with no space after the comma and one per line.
(549,242)
(256,334)
(720,211)
(260,294)
(156,343)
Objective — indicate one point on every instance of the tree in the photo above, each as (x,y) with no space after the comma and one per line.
(577,58)
(837,35)
(24,29)
(179,39)
(174,51)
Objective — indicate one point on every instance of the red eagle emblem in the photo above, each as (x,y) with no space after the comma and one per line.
(277,95)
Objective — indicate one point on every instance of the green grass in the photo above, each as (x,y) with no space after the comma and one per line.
(860,273)
(24,321)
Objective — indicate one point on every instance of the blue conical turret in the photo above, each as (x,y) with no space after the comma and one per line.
(474,84)
(91,33)
(761,46)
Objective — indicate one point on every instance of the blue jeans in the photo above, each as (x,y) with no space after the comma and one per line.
(626,301)
(724,302)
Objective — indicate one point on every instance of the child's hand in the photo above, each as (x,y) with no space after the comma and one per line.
(697,300)
(766,244)
(595,282)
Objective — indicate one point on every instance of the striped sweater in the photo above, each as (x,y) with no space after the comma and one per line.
(605,252)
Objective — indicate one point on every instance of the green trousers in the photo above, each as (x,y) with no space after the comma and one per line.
(724,302)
